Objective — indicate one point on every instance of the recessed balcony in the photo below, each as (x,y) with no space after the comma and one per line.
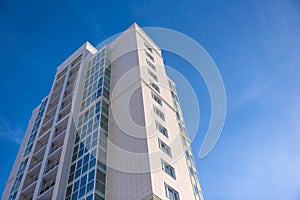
(50,112)
(54,100)
(58,136)
(29,184)
(35,167)
(57,89)
(43,136)
(61,74)
(47,124)
(47,189)
(67,99)
(64,112)
(40,150)
(51,169)
(55,149)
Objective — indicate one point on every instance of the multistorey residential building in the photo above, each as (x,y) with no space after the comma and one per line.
(111,128)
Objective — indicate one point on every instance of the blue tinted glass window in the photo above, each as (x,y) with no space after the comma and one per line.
(90,186)
(77,174)
(90,197)
(92,163)
(86,159)
(91,175)
(84,168)
(79,164)
(76,185)
(83,180)
(75,196)
(81,191)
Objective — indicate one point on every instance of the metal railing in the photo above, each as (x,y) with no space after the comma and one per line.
(30,181)
(29,197)
(35,162)
(47,186)
(53,149)
(52,165)
(57,134)
(39,148)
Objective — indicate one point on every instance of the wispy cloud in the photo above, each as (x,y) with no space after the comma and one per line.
(252,91)
(7,131)
(260,160)
(270,163)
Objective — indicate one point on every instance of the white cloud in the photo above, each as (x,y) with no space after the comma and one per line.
(260,146)
(7,131)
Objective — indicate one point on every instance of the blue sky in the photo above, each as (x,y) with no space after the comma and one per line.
(254,43)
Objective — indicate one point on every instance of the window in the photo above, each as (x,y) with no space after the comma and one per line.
(155,87)
(168,169)
(100,176)
(151,65)
(171,193)
(159,113)
(181,127)
(90,197)
(83,181)
(100,187)
(191,171)
(149,56)
(156,98)
(172,86)
(177,116)
(91,175)
(164,147)
(161,129)
(196,190)
(174,96)
(148,47)
(187,154)
(152,75)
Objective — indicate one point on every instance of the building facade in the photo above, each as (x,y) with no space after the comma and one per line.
(111,128)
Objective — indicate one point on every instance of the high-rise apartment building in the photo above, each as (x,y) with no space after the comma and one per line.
(111,128)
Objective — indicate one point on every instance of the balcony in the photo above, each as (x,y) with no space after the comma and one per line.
(51,165)
(57,89)
(39,151)
(51,169)
(47,124)
(58,136)
(65,105)
(43,137)
(62,125)
(30,181)
(50,112)
(75,66)
(60,79)
(67,98)
(64,112)
(54,100)
(68,90)
(34,168)
(61,74)
(55,149)
(45,190)
(41,144)
(71,81)
(25,196)
(29,197)
(72,74)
